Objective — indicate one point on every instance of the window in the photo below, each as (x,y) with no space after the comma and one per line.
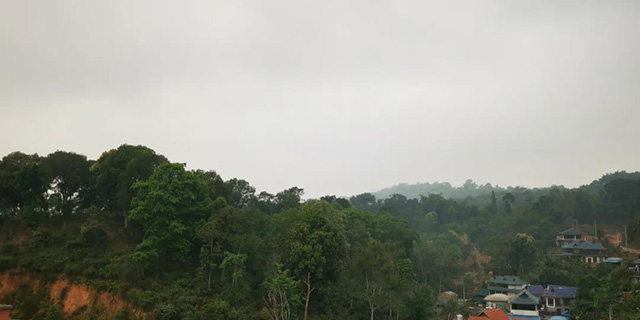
(551,302)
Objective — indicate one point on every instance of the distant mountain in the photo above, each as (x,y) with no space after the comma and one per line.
(468,189)
(473,189)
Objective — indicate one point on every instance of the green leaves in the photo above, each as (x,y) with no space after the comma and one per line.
(170,206)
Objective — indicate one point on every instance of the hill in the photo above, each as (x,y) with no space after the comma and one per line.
(131,235)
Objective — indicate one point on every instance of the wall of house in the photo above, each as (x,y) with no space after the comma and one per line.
(4,314)
(518,310)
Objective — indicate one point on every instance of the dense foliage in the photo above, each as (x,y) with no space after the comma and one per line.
(183,244)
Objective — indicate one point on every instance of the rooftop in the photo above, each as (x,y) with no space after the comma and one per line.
(502,289)
(554,291)
(493,314)
(613,260)
(508,280)
(525,297)
(497,297)
(5,307)
(584,245)
(536,290)
(572,232)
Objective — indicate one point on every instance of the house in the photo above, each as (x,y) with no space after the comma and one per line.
(4,311)
(524,306)
(509,285)
(587,251)
(497,301)
(495,314)
(558,299)
(572,234)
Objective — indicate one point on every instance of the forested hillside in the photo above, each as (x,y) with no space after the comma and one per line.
(473,189)
(170,243)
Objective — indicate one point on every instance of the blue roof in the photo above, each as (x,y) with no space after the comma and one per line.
(558,318)
(584,245)
(536,290)
(554,291)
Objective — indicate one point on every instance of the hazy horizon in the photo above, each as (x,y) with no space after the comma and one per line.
(336,98)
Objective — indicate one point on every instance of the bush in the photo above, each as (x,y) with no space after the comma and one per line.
(166,311)
(53,313)
(122,315)
(93,234)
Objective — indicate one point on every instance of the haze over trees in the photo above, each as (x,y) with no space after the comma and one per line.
(188,244)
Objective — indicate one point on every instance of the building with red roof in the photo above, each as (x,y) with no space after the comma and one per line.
(491,314)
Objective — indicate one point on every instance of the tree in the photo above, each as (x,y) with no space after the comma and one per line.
(364,202)
(69,180)
(215,184)
(508,199)
(493,206)
(170,206)
(210,234)
(117,170)
(22,182)
(240,193)
(281,294)
(314,243)
(421,305)
(377,270)
(289,198)
(233,271)
(523,250)
(552,272)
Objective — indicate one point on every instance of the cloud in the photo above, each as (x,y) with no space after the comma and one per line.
(336,97)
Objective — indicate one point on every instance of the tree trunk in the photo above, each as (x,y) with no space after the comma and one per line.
(210,263)
(126,221)
(309,289)
(372,310)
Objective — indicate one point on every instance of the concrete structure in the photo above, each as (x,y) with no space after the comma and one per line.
(587,251)
(558,299)
(572,234)
(525,304)
(497,301)
(509,285)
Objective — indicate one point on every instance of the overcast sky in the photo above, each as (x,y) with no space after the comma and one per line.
(336,97)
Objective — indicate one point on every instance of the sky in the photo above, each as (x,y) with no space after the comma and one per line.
(336,97)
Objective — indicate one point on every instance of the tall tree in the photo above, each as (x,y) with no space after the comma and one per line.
(69,180)
(22,182)
(118,169)
(421,305)
(314,243)
(289,198)
(171,206)
(508,199)
(493,206)
(523,250)
(240,193)
(281,294)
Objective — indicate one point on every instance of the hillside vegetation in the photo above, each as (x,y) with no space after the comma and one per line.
(131,235)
